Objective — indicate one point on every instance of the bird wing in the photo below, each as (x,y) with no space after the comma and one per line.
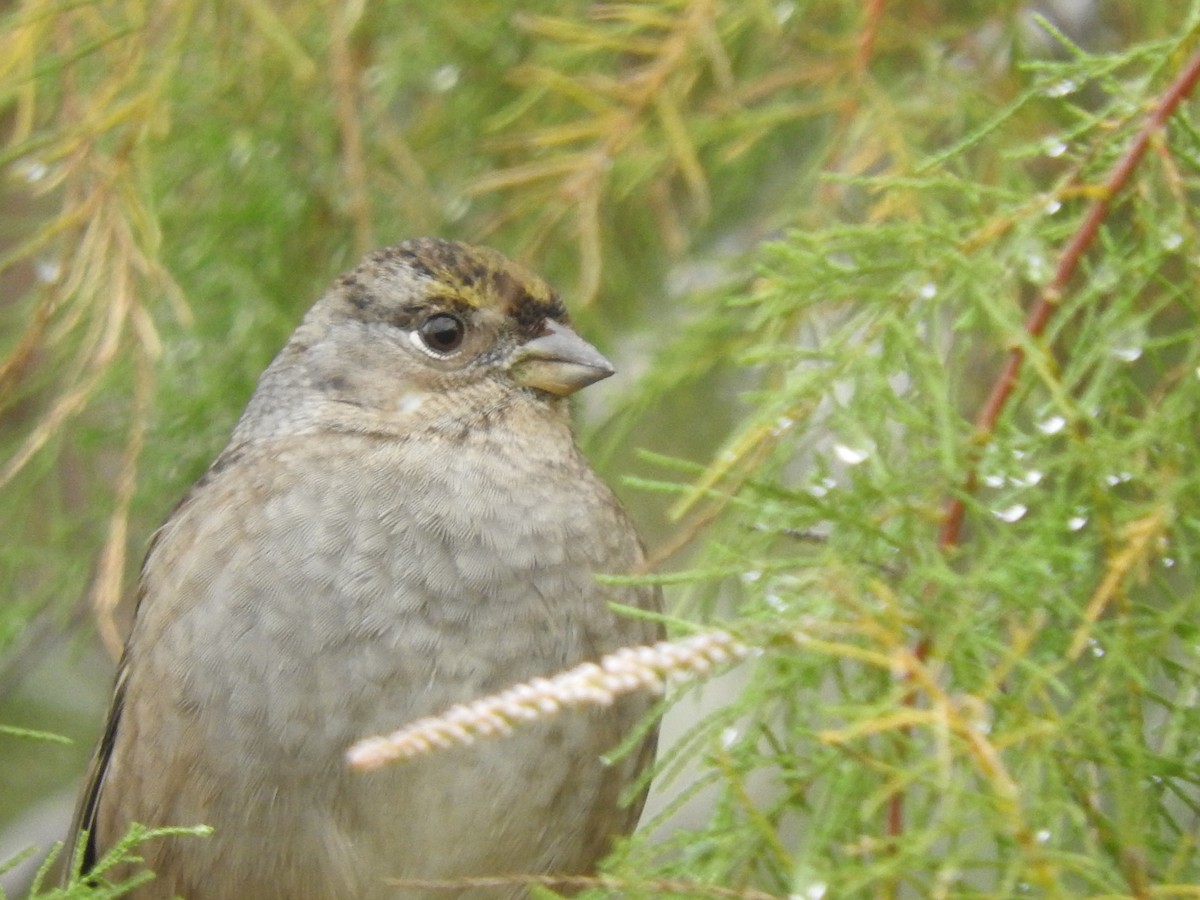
(83,825)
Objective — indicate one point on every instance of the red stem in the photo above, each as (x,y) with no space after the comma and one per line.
(1068,262)
(866,37)
(1035,325)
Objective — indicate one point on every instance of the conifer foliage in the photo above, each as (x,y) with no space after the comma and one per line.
(904,298)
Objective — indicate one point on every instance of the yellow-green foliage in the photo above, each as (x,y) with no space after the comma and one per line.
(809,233)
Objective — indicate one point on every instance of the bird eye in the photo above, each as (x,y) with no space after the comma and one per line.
(442,333)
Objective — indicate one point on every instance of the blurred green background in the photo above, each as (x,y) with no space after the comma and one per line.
(806,233)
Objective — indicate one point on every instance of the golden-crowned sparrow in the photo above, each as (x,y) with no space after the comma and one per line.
(401,522)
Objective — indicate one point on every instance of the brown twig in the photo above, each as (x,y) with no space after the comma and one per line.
(1068,262)
(1039,316)
(872,16)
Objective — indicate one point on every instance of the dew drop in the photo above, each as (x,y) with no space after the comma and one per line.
(993,481)
(928,290)
(1055,148)
(1052,425)
(1013,513)
(1168,562)
(444,78)
(48,270)
(823,487)
(241,150)
(1029,479)
(456,208)
(1097,649)
(1172,241)
(1052,206)
(1127,354)
(784,11)
(1104,276)
(1075,523)
(851,456)
(751,576)
(729,737)
(814,891)
(32,170)
(1062,88)
(843,391)
(784,424)
(1036,268)
(1043,835)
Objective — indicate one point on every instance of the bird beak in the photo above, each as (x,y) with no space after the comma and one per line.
(559,362)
